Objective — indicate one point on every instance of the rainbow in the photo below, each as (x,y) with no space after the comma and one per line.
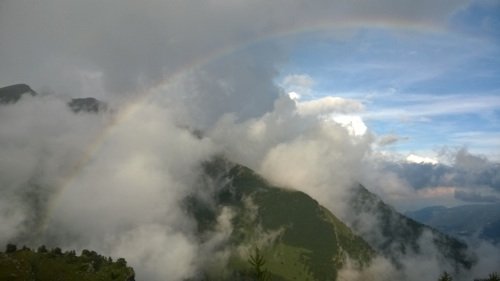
(139,98)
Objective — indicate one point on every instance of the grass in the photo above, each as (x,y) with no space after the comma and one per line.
(311,243)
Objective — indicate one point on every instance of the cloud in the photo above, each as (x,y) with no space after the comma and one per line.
(421,159)
(354,124)
(298,81)
(299,84)
(141,247)
(202,95)
(128,189)
(467,161)
(42,144)
(442,106)
(455,168)
(328,105)
(134,45)
(304,152)
(475,170)
(114,182)
(389,140)
(294,96)
(72,181)
(482,141)
(475,197)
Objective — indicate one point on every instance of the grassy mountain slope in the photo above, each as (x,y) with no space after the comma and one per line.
(26,264)
(300,239)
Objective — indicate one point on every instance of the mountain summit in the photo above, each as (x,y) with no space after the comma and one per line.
(299,238)
(13,93)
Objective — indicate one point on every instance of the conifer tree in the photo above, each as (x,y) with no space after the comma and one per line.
(445,277)
(257,262)
(493,277)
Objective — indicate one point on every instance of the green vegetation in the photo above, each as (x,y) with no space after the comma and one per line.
(445,277)
(26,264)
(257,262)
(298,238)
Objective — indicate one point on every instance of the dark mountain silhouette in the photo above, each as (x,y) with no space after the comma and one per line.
(13,93)
(90,105)
(395,235)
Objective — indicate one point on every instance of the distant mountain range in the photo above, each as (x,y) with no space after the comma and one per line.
(469,221)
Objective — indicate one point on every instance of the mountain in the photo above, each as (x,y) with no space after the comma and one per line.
(302,239)
(468,221)
(395,235)
(299,239)
(90,105)
(43,265)
(13,93)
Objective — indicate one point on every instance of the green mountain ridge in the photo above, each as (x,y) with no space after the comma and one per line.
(300,239)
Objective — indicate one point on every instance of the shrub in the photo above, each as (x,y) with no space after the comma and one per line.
(57,251)
(42,249)
(10,248)
(445,277)
(121,262)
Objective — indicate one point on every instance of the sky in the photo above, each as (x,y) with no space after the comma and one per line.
(318,96)
(428,88)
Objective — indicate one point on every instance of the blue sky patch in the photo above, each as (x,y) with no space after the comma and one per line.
(434,88)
